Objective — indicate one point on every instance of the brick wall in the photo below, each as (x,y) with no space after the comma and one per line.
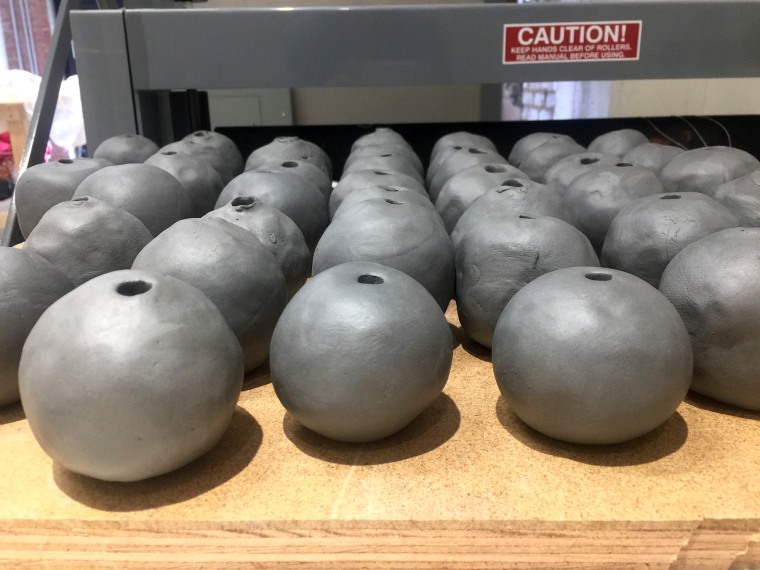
(25,23)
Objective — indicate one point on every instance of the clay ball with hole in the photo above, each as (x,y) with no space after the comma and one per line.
(498,257)
(29,285)
(594,198)
(456,162)
(201,152)
(277,233)
(714,284)
(230,266)
(538,161)
(461,139)
(368,178)
(305,169)
(617,142)
(86,237)
(360,352)
(42,186)
(130,376)
(528,143)
(394,193)
(290,148)
(150,194)
(704,169)
(407,237)
(293,195)
(562,173)
(125,149)
(591,356)
(401,151)
(512,197)
(742,197)
(223,144)
(386,161)
(464,188)
(197,176)
(647,233)
(381,136)
(653,156)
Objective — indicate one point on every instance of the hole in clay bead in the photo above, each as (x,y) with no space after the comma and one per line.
(393,202)
(289,164)
(370,280)
(624,164)
(81,200)
(599,276)
(670,197)
(380,172)
(169,153)
(243,202)
(457,147)
(494,168)
(476,151)
(512,183)
(305,157)
(589,160)
(526,217)
(198,134)
(66,161)
(132,288)
(386,155)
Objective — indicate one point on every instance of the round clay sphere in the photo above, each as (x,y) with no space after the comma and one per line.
(498,257)
(562,173)
(511,197)
(456,162)
(594,198)
(526,144)
(395,193)
(742,198)
(647,233)
(293,195)
(29,285)
(381,136)
(368,178)
(407,237)
(86,237)
(461,139)
(359,352)
(401,151)
(617,142)
(387,161)
(714,284)
(150,194)
(704,169)
(309,171)
(539,160)
(42,186)
(230,266)
(207,153)
(287,148)
(197,176)
(130,376)
(591,356)
(653,156)
(223,144)
(464,188)
(125,149)
(276,232)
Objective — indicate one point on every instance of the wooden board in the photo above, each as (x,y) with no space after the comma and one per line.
(467,485)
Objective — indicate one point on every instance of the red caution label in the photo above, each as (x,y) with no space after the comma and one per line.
(576,41)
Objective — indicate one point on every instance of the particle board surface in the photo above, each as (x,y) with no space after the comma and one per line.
(463,480)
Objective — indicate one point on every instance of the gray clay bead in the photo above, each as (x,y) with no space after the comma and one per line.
(150,194)
(130,376)
(29,285)
(276,232)
(562,173)
(456,162)
(385,161)
(742,197)
(287,148)
(208,153)
(380,136)
(618,142)
(395,193)
(513,196)
(714,284)
(591,356)
(293,195)
(464,188)
(461,139)
(86,237)
(653,156)
(126,149)
(647,233)
(224,145)
(230,266)
(594,198)
(539,160)
(526,144)
(368,178)
(498,257)
(407,237)
(359,352)
(402,151)
(197,176)
(309,171)
(704,169)
(44,185)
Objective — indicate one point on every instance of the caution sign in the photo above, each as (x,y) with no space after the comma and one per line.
(575,41)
